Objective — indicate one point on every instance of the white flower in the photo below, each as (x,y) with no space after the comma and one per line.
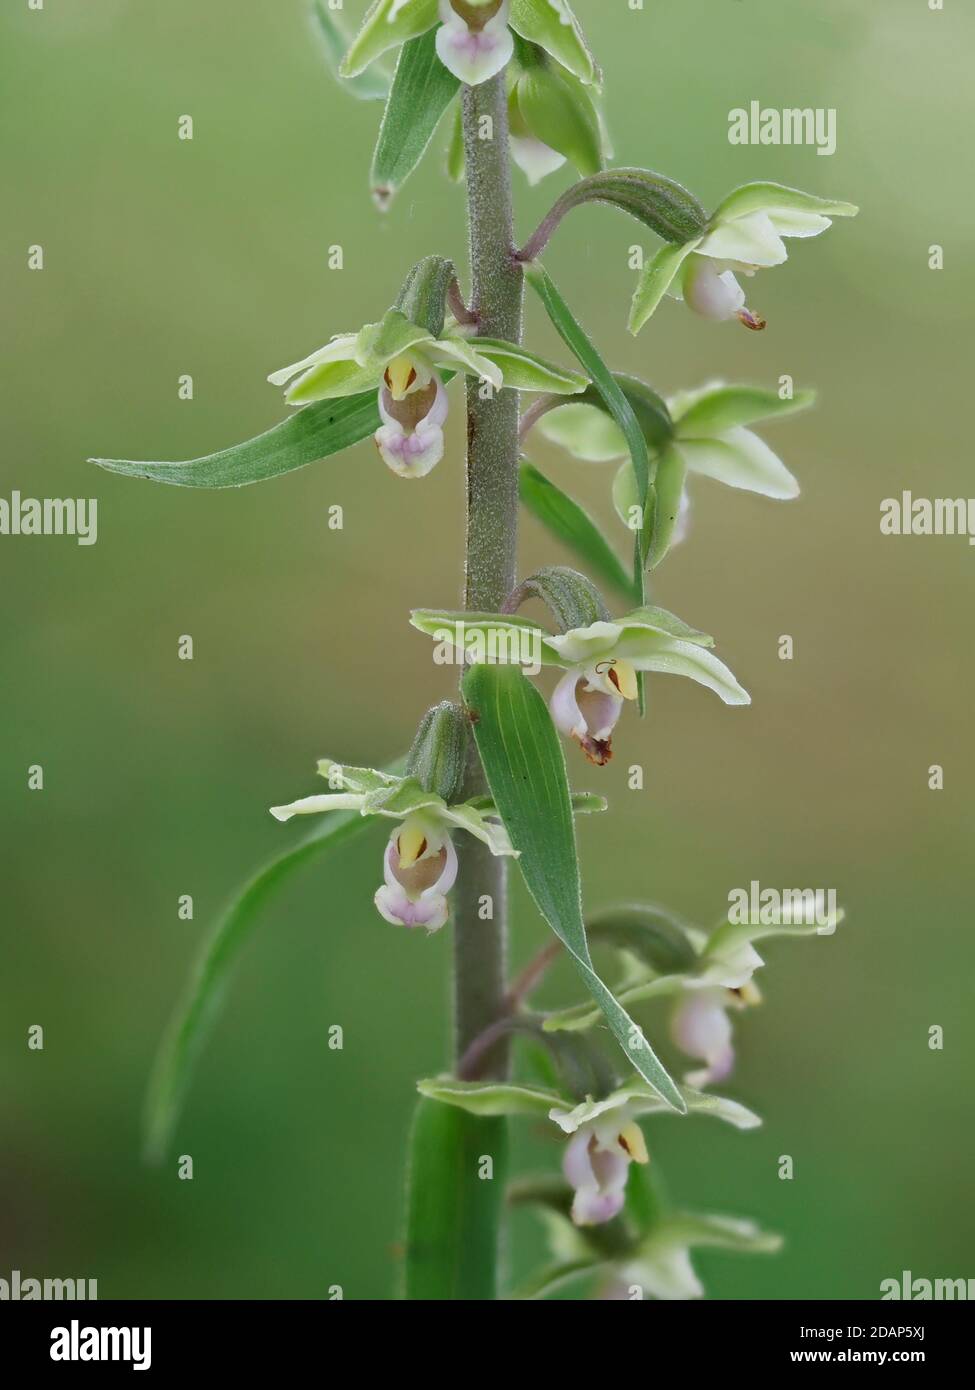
(745,234)
(474,41)
(605,1140)
(419,861)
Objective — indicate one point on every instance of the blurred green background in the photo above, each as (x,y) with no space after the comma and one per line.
(209,257)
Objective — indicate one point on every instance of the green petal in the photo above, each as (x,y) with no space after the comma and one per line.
(552,25)
(490,1097)
(776,197)
(587,432)
(378,343)
(388,24)
(330,381)
(474,821)
(740,459)
(715,408)
(658,620)
(752,240)
(656,280)
(526,371)
(465,353)
(676,658)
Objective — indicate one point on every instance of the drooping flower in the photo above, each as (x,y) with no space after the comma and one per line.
(600,661)
(474,37)
(710,436)
(606,1139)
(745,234)
(404,362)
(419,861)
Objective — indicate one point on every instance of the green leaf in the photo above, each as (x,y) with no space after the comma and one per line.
(387,24)
(368,86)
(571,598)
(652,934)
(574,527)
(314,433)
(188,1028)
(423,298)
(610,391)
(552,25)
(453,1214)
(526,774)
(526,371)
(562,117)
(490,1097)
(421,92)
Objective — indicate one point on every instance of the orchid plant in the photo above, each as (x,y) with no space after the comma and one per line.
(485,784)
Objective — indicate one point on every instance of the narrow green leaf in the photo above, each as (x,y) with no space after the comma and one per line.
(578,342)
(367,86)
(194,1015)
(526,774)
(453,1214)
(566,520)
(314,433)
(421,92)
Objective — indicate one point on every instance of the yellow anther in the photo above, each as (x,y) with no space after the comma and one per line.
(623,676)
(632,1141)
(400,376)
(412,844)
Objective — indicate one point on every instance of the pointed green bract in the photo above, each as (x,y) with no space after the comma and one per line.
(421,92)
(525,768)
(453,1213)
(566,520)
(316,432)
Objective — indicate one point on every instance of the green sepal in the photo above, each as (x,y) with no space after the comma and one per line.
(367,86)
(552,26)
(558,111)
(527,371)
(378,32)
(490,1097)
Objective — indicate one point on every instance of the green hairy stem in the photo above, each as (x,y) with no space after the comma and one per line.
(492,529)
